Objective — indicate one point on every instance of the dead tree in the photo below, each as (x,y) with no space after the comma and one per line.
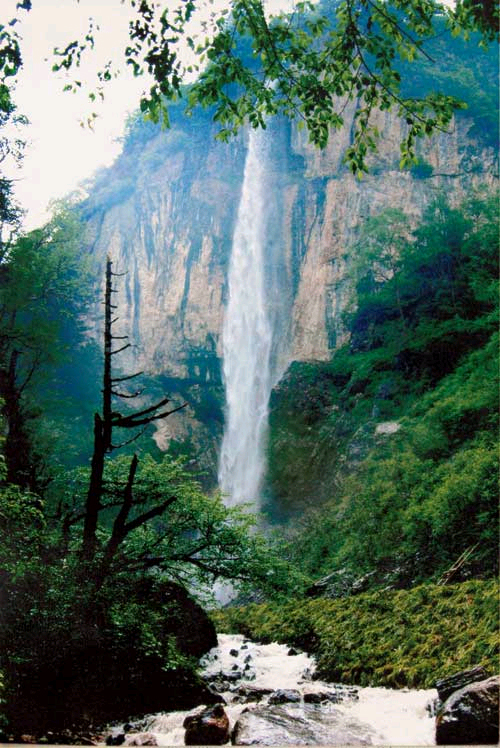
(104,425)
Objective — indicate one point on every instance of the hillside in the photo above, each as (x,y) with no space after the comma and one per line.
(386,455)
(360,640)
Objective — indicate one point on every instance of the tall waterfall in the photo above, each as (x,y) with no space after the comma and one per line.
(249,354)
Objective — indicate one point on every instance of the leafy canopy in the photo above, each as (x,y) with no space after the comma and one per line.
(195,541)
(44,289)
(307,64)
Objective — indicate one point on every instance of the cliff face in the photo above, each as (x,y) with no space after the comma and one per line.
(336,204)
(166,213)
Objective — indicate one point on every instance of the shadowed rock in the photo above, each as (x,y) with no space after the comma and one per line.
(253,693)
(209,727)
(283,696)
(446,686)
(318,697)
(470,715)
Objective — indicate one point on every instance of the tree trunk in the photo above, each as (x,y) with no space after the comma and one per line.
(102,435)
(95,492)
(103,443)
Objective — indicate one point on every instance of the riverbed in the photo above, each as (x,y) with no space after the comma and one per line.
(272,690)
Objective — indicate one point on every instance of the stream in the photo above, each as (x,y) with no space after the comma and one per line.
(271,696)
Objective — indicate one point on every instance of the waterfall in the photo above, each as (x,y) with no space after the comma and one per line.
(250,367)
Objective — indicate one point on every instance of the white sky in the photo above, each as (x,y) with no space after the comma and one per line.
(61,153)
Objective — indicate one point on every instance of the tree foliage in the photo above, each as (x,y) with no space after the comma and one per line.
(44,287)
(423,303)
(11,124)
(95,570)
(307,64)
(195,540)
(134,515)
(422,356)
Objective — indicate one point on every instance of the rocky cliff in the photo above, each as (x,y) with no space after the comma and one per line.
(166,212)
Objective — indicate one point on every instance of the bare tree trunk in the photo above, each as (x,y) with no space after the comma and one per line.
(103,443)
(102,434)
(94,493)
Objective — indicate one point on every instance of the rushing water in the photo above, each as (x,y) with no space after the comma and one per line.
(247,337)
(356,716)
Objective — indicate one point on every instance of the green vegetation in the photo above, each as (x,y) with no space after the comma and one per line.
(95,563)
(389,638)
(422,356)
(45,286)
(380,510)
(251,67)
(81,640)
(395,507)
(461,69)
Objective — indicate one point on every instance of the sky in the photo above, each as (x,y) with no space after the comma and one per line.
(61,153)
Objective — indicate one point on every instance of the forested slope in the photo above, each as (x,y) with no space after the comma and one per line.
(386,455)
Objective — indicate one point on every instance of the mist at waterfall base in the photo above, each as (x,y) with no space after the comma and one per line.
(254,354)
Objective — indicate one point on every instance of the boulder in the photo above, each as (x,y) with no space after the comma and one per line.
(470,715)
(187,621)
(252,693)
(284,696)
(141,738)
(223,675)
(219,686)
(297,725)
(221,681)
(209,727)
(446,686)
(318,697)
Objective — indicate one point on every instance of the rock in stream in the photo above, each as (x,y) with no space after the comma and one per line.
(270,698)
(298,725)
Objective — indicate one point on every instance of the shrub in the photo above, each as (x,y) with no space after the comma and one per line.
(393,638)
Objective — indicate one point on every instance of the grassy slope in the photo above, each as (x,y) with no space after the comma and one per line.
(384,638)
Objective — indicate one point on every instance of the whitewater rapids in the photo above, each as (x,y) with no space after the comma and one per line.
(384,716)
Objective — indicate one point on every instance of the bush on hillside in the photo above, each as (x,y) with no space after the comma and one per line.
(404,638)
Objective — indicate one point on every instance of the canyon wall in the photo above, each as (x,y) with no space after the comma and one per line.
(166,210)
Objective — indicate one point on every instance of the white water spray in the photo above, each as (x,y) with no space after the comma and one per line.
(373,716)
(247,338)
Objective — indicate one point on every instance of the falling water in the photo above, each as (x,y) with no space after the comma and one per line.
(247,336)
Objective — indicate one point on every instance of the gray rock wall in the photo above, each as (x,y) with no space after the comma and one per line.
(166,212)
